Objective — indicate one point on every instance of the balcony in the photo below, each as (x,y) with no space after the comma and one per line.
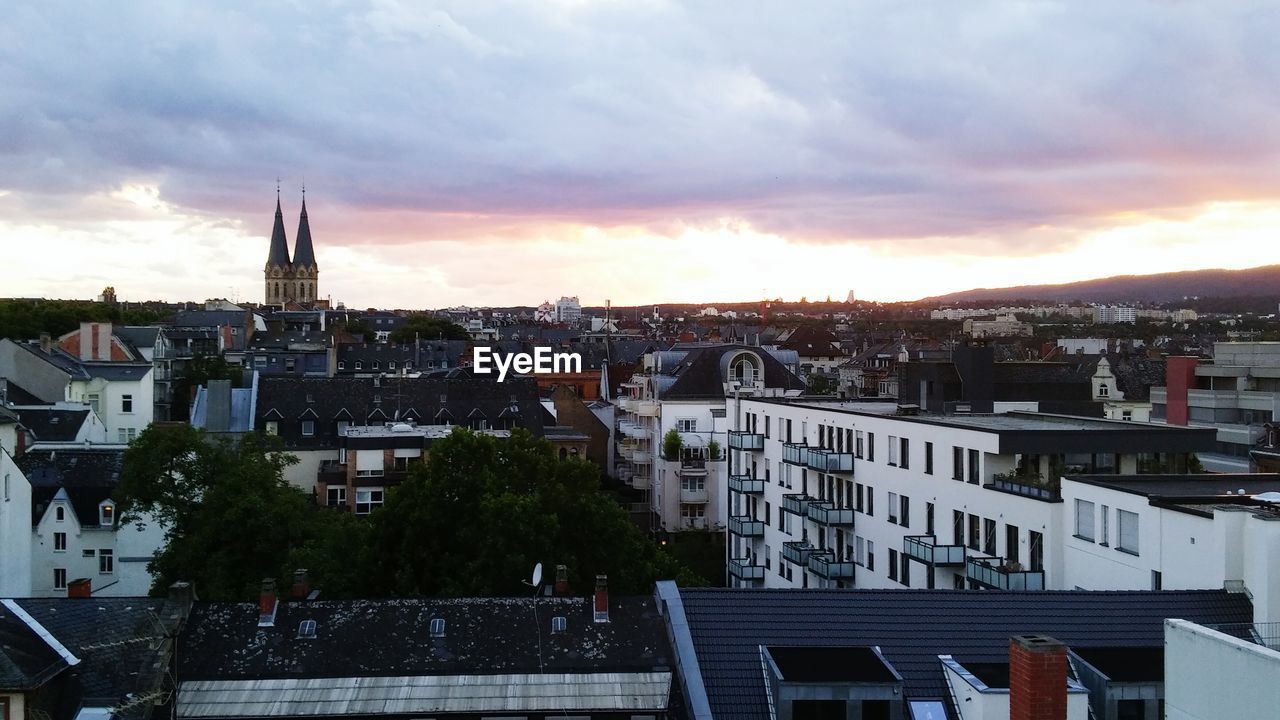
(746,527)
(645,408)
(795,453)
(744,570)
(996,574)
(640,481)
(693,467)
(824,513)
(798,504)
(829,461)
(746,484)
(332,472)
(633,430)
(1026,485)
(824,565)
(693,496)
(625,403)
(925,549)
(797,552)
(641,456)
(740,440)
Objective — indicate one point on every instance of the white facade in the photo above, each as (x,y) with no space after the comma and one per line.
(15,528)
(1114,314)
(126,406)
(568,310)
(113,557)
(1210,675)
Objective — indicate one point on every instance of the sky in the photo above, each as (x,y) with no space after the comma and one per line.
(504,153)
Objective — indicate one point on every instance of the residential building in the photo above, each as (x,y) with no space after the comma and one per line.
(685,391)
(934,654)
(293,279)
(1110,314)
(818,350)
(568,310)
(1237,394)
(543,657)
(858,496)
(15,523)
(972,381)
(1223,670)
(152,344)
(1001,326)
(388,359)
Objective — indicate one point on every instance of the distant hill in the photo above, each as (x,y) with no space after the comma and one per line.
(1164,287)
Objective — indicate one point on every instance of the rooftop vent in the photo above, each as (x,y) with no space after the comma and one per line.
(558,624)
(307,629)
(437,627)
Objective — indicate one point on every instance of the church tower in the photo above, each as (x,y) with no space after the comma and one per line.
(305,271)
(279,269)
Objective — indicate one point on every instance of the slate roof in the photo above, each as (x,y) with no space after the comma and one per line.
(913,627)
(14,394)
(138,336)
(279,253)
(430,354)
(1136,374)
(94,630)
(87,476)
(210,318)
(285,400)
(51,425)
(82,370)
(699,374)
(304,255)
(374,638)
(26,660)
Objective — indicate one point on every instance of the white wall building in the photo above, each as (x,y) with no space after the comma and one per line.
(1111,314)
(568,310)
(847,494)
(1210,674)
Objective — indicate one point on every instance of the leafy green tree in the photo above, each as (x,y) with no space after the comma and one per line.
(477,516)
(200,371)
(360,331)
(427,327)
(672,444)
(821,385)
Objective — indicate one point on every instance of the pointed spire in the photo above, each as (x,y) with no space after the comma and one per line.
(304,255)
(279,255)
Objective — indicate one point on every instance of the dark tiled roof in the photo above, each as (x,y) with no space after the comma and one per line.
(304,255)
(279,253)
(14,394)
(699,374)
(106,634)
(139,336)
(87,476)
(26,660)
(913,627)
(366,638)
(210,318)
(50,425)
(1136,374)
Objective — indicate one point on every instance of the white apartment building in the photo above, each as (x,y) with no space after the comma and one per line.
(1114,314)
(568,310)
(847,494)
(686,391)
(15,528)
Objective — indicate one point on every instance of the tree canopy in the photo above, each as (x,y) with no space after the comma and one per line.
(427,327)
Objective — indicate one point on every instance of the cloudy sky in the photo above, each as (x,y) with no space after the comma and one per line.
(505,152)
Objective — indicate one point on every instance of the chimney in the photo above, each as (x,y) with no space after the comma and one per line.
(102,348)
(86,341)
(46,343)
(20,443)
(301,584)
(80,588)
(218,406)
(562,580)
(267,603)
(602,599)
(1037,678)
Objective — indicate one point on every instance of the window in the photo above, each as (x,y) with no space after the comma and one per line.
(1102,528)
(893,564)
(59,542)
(106,562)
(904,517)
(871,555)
(391,364)
(367,499)
(766,426)
(1103,390)
(860,554)
(337,496)
(928,458)
(308,428)
(893,451)
(95,401)
(1036,541)
(975,531)
(359,364)
(928,518)
(1011,543)
(59,578)
(59,513)
(871,501)
(342,426)
(957,463)
(88,553)
(375,365)
(905,453)
(893,507)
(106,514)
(273,427)
(858,442)
(957,527)
(687,424)
(1157,580)
(693,484)
(989,536)
(904,574)
(973,466)
(1084,520)
(1126,414)
(1127,529)
(126,403)
(871,447)
(342,365)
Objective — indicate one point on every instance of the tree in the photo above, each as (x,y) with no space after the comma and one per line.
(672,444)
(200,371)
(821,385)
(713,450)
(477,516)
(427,327)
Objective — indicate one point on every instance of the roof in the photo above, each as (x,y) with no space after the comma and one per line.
(86,476)
(14,394)
(392,638)
(210,318)
(912,627)
(304,255)
(699,373)
(139,336)
(1191,492)
(50,424)
(279,253)
(27,660)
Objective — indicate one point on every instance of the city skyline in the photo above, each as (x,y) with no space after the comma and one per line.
(511,153)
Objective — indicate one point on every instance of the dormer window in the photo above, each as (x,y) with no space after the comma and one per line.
(359,365)
(59,513)
(106,514)
(1104,391)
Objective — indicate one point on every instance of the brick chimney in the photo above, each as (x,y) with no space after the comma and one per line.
(267,603)
(562,580)
(1037,678)
(301,584)
(602,599)
(85,339)
(46,343)
(80,588)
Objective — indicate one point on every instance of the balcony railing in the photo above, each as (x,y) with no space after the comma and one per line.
(693,467)
(746,527)
(742,569)
(641,456)
(824,513)
(331,472)
(797,503)
(797,552)
(996,574)
(693,496)
(825,565)
(1025,485)
(746,484)
(925,549)
(829,461)
(795,453)
(645,408)
(741,440)
(1265,634)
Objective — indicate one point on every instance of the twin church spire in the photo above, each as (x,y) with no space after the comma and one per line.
(293,280)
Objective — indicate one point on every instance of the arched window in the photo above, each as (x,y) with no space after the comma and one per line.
(1103,390)
(277,290)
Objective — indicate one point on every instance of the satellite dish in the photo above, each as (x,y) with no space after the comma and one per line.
(537,575)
